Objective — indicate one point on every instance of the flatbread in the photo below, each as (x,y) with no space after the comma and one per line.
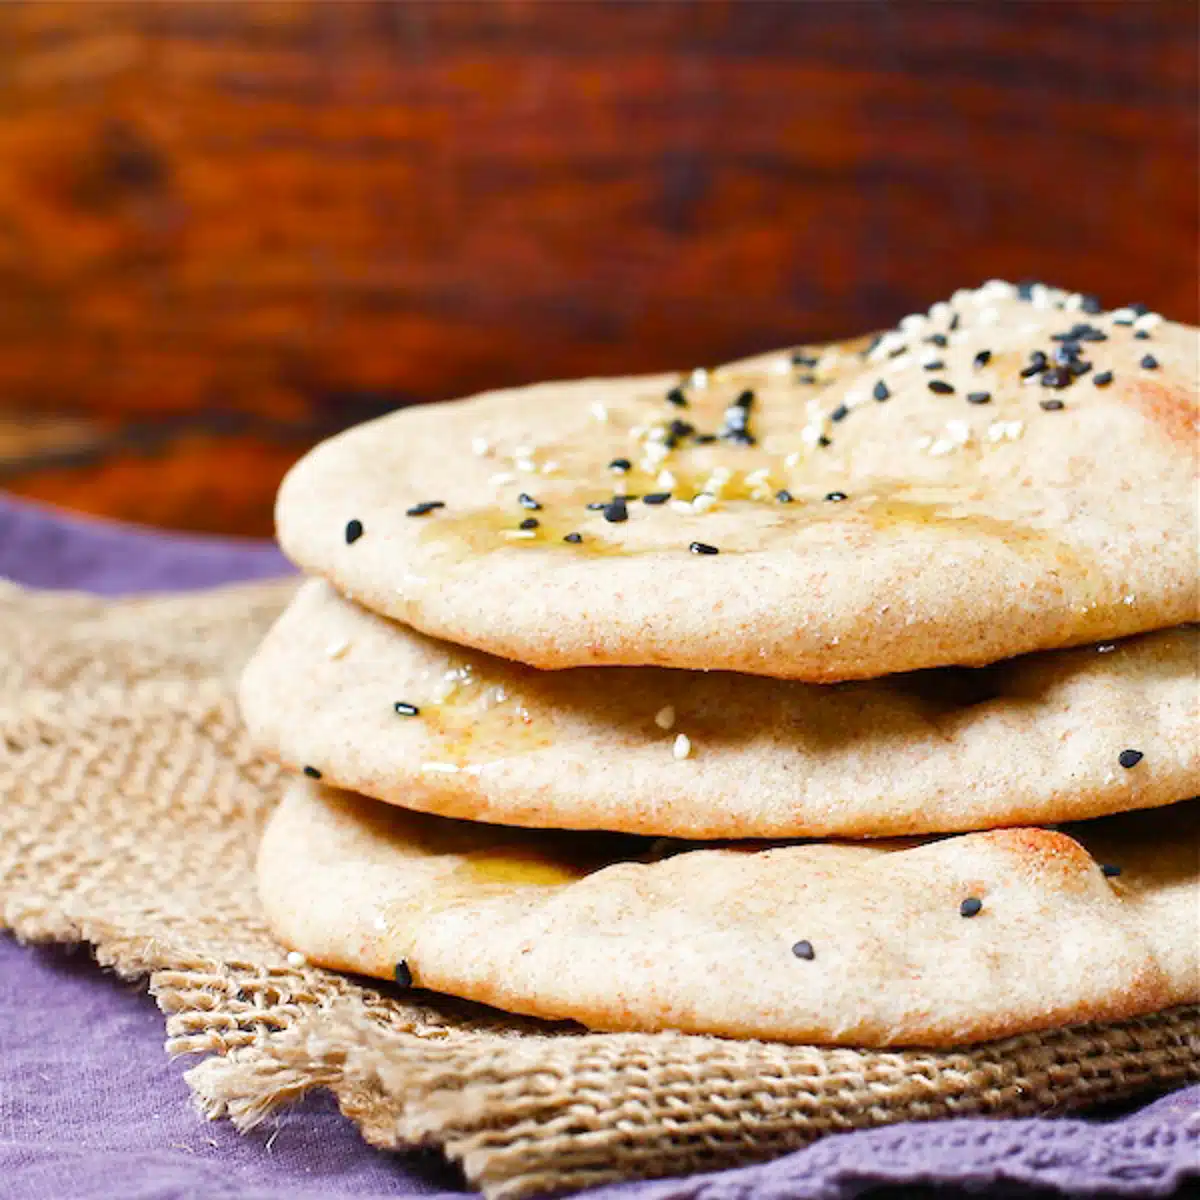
(968,532)
(863,944)
(1031,740)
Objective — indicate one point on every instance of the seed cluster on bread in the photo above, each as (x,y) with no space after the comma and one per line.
(933,584)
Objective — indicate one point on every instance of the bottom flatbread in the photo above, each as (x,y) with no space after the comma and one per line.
(917,942)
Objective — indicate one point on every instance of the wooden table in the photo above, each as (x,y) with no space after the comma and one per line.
(227,229)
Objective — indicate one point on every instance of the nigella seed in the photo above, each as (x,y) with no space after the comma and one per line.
(940,387)
(1110,871)
(1103,379)
(1056,377)
(1149,362)
(656,498)
(1142,335)
(835,497)
(1130,758)
(972,906)
(800,359)
(880,391)
(804,949)
(404,709)
(424,508)
(676,397)
(1052,405)
(824,441)
(840,413)
(525,500)
(616,510)
(938,339)
(784,496)
(703,548)
(983,358)
(312,772)
(529,523)
(978,397)
(620,464)
(936,365)
(403,974)
(573,538)
(354,530)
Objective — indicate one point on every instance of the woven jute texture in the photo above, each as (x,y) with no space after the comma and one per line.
(130,809)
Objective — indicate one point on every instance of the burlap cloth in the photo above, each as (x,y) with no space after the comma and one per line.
(130,808)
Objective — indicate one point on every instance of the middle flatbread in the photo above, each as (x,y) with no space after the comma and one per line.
(1045,738)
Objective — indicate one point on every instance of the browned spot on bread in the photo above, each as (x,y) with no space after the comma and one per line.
(1171,407)
(1043,851)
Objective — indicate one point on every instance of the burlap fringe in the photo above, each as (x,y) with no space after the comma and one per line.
(132,804)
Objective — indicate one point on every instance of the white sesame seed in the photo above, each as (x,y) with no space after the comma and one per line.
(940,311)
(698,379)
(549,468)
(927,360)
(520,534)
(296,959)
(781,366)
(855,396)
(337,649)
(999,289)
(811,434)
(480,447)
(524,451)
(793,459)
(941,447)
(502,478)
(924,442)
(1074,302)
(703,502)
(1128,600)
(1040,297)
(1122,314)
(1107,648)
(666,480)
(682,747)
(961,296)
(958,432)
(958,337)
(756,477)
(913,323)
(903,360)
(599,412)
(682,506)
(654,453)
(988,316)
(380,922)
(829,360)
(527,465)
(665,717)
(657,434)
(1148,321)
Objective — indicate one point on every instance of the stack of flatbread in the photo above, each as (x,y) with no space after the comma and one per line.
(840,695)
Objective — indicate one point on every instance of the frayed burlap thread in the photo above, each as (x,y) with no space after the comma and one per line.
(130,807)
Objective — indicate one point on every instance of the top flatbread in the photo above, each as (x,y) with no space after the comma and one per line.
(931,527)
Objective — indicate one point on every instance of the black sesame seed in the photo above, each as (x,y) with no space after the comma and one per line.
(679,429)
(804,950)
(1149,362)
(616,510)
(1091,334)
(899,350)
(1052,405)
(1142,335)
(1078,368)
(529,523)
(982,358)
(1110,871)
(1056,377)
(573,538)
(800,359)
(1103,379)
(1130,758)
(703,548)
(784,496)
(1123,320)
(1038,359)
(840,413)
(824,441)
(940,387)
(402,974)
(1067,353)
(938,339)
(704,439)
(836,496)
(656,498)
(954,320)
(936,365)
(312,772)
(354,530)
(978,397)
(620,464)
(676,397)
(1033,369)
(880,391)
(1025,289)
(739,436)
(745,399)
(807,378)
(1091,304)
(1139,309)
(404,709)
(426,506)
(525,500)
(972,906)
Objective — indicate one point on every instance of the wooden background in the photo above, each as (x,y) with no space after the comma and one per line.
(229,228)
